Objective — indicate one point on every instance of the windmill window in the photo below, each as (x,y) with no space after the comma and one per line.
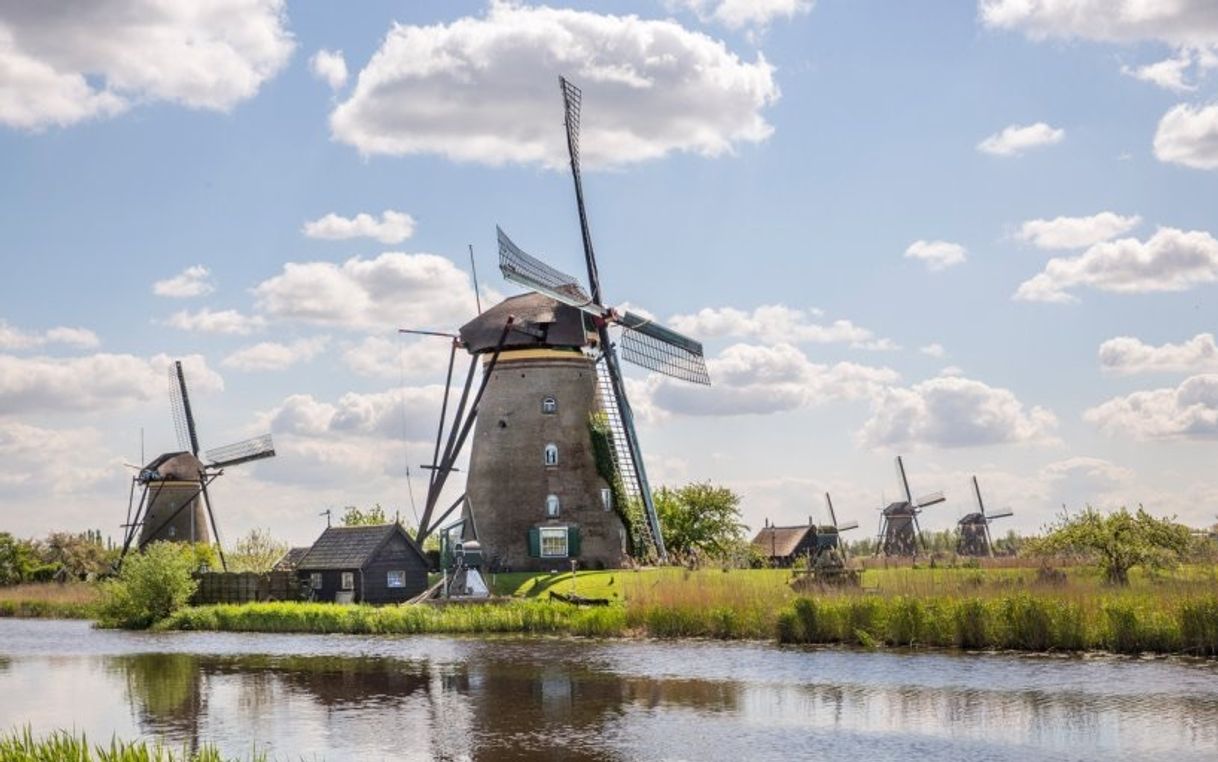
(549,405)
(395,579)
(552,506)
(551,454)
(607,498)
(348,581)
(553,542)
(315,580)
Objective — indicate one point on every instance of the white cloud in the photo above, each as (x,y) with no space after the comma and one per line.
(476,90)
(193,281)
(770,323)
(1176,22)
(1188,411)
(392,227)
(948,411)
(60,462)
(273,355)
(1188,136)
(377,357)
(1018,139)
(395,290)
(12,338)
(330,67)
(216,321)
(758,380)
(951,370)
(935,350)
(94,383)
(1170,260)
(1099,473)
(1169,74)
(1076,232)
(65,63)
(938,255)
(1126,355)
(736,14)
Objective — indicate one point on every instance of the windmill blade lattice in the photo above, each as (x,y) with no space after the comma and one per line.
(650,347)
(256,448)
(529,271)
(179,408)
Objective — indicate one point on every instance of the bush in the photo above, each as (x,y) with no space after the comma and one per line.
(151,586)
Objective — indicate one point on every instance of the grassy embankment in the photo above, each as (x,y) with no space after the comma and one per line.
(22,746)
(963,608)
(50,600)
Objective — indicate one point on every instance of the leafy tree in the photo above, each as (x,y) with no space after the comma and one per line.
(700,519)
(78,555)
(1117,541)
(257,551)
(150,586)
(354,517)
(20,561)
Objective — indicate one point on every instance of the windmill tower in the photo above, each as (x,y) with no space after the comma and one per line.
(974,529)
(828,536)
(173,501)
(556,472)
(899,531)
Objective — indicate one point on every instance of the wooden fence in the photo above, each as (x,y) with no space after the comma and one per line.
(244,587)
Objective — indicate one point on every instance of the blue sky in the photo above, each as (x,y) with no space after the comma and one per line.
(761,175)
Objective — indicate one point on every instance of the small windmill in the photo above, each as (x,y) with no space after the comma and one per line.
(974,529)
(900,533)
(173,501)
(828,536)
(641,340)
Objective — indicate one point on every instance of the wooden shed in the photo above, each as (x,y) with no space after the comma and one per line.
(364,564)
(782,545)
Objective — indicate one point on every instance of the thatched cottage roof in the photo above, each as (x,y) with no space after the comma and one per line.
(540,322)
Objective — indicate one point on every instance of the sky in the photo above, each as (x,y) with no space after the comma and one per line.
(981,235)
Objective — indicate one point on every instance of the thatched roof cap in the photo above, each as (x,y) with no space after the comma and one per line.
(540,322)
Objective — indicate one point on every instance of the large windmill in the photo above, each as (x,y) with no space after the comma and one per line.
(899,530)
(556,472)
(173,502)
(974,529)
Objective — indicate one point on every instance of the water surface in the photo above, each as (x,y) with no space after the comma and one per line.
(345,697)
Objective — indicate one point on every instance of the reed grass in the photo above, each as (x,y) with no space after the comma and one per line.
(63,746)
(50,600)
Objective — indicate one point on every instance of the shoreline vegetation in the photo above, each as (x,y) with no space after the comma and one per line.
(23,746)
(1026,609)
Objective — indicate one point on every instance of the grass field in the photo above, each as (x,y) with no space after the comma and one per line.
(50,600)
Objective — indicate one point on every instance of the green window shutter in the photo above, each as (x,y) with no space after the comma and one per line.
(572,541)
(534,542)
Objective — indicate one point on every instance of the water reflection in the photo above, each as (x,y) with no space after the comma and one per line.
(568,700)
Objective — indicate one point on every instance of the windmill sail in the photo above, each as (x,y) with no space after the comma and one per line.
(977,493)
(652,346)
(1000,514)
(256,448)
(829,505)
(530,272)
(848,525)
(179,405)
(931,499)
(903,481)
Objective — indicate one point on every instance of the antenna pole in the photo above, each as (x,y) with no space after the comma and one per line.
(473,266)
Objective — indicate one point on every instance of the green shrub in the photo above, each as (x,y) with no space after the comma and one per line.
(151,586)
(971,618)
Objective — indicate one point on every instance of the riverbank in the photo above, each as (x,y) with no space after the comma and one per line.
(1178,616)
(23,746)
(50,600)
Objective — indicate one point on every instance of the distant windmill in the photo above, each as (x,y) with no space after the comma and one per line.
(828,536)
(899,531)
(173,502)
(974,529)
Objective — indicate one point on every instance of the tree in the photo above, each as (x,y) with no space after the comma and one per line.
(78,555)
(20,561)
(257,551)
(152,584)
(1117,541)
(354,517)
(700,519)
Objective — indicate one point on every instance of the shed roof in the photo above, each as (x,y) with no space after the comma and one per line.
(351,547)
(291,559)
(778,542)
(540,322)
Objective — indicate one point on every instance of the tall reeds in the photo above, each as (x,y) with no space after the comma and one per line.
(23,746)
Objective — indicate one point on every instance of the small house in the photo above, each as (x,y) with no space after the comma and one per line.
(781,546)
(364,564)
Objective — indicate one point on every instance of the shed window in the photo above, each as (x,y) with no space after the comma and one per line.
(551,454)
(315,580)
(549,405)
(552,506)
(396,578)
(553,542)
(348,581)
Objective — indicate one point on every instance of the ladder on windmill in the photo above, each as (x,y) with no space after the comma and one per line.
(621,451)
